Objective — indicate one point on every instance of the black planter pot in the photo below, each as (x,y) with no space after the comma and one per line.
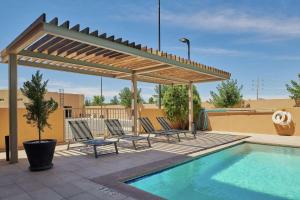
(40,154)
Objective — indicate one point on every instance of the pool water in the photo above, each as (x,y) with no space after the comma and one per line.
(246,171)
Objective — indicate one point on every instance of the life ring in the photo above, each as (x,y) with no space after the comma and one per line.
(282,118)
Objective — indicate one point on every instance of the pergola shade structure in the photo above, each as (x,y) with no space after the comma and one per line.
(61,47)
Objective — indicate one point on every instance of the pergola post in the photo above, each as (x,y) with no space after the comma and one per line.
(191,113)
(134,102)
(13,119)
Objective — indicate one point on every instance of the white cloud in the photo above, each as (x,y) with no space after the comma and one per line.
(224,20)
(228,20)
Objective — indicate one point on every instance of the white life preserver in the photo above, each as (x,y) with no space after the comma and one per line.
(282,118)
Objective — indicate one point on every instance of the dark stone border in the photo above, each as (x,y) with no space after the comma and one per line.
(116,180)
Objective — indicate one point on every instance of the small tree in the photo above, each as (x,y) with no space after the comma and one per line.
(38,109)
(151,100)
(229,94)
(126,97)
(294,89)
(98,100)
(175,102)
(162,92)
(114,101)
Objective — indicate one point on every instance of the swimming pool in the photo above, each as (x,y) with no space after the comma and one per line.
(246,171)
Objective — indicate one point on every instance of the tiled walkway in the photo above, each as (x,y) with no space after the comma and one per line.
(71,178)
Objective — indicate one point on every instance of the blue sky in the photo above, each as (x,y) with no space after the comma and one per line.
(251,39)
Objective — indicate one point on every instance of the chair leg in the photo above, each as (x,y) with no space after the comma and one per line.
(149,143)
(185,134)
(133,142)
(168,136)
(116,147)
(95,151)
(69,143)
(178,137)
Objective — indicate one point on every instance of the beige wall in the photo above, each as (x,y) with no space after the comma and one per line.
(28,132)
(251,122)
(152,113)
(73,100)
(270,103)
(261,104)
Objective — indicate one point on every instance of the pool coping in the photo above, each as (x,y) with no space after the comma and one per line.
(116,181)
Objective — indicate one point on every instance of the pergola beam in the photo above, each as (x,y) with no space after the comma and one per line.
(134,102)
(191,109)
(148,70)
(59,68)
(73,61)
(13,112)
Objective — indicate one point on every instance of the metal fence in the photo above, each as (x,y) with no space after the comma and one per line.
(95,118)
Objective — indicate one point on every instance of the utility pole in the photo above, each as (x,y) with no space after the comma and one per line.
(159,86)
(258,85)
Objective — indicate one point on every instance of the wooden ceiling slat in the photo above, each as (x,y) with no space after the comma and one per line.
(77,48)
(82,53)
(91,54)
(94,51)
(68,47)
(59,46)
(103,52)
(88,48)
(49,44)
(110,53)
(94,56)
(116,55)
(40,42)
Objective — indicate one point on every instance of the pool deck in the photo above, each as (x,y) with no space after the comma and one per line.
(77,175)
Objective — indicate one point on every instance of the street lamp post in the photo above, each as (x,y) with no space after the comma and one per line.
(187,41)
(190,89)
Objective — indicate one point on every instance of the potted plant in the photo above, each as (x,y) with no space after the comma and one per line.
(39,152)
(294,90)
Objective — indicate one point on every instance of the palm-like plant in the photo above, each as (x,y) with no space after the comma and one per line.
(38,109)
(294,89)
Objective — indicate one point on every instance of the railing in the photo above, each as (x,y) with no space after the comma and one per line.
(95,118)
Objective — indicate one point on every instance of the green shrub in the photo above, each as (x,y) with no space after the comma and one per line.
(229,94)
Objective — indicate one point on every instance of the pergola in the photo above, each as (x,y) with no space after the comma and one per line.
(55,46)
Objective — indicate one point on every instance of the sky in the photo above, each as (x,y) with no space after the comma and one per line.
(251,39)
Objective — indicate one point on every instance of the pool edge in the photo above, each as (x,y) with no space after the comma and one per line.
(117,181)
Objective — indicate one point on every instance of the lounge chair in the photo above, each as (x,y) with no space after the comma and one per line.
(115,128)
(82,133)
(167,127)
(149,128)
